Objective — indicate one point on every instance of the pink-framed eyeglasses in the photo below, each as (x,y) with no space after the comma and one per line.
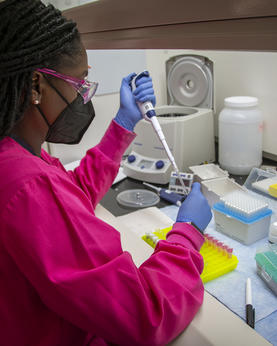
(84,87)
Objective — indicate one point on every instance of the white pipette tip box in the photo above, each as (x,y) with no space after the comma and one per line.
(242,217)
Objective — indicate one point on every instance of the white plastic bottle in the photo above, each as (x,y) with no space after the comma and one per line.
(240,129)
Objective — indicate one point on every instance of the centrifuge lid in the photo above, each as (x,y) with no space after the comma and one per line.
(137,198)
(190,81)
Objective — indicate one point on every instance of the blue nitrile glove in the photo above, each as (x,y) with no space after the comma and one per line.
(144,89)
(195,208)
(129,114)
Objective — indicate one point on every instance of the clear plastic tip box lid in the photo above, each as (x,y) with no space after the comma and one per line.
(207,172)
(242,217)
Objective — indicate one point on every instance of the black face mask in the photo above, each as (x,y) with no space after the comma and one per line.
(72,123)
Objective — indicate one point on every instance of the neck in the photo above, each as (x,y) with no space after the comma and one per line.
(31,145)
(31,130)
(22,143)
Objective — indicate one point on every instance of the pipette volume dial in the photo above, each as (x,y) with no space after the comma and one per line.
(146,109)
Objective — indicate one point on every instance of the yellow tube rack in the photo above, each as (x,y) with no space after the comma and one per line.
(218,257)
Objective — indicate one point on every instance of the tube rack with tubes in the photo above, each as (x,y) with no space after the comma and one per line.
(218,257)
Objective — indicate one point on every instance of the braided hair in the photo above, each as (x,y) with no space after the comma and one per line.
(32,36)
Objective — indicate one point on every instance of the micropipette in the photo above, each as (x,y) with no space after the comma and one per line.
(149,114)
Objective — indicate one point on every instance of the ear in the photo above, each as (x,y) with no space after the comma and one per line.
(37,85)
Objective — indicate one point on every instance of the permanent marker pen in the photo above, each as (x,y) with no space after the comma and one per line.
(250,312)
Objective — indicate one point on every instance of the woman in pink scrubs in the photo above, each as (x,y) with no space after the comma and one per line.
(64,279)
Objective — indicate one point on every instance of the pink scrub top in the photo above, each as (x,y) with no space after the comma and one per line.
(64,279)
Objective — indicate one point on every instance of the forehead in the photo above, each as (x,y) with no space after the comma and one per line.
(77,66)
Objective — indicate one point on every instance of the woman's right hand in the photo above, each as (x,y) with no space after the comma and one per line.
(195,208)
(129,114)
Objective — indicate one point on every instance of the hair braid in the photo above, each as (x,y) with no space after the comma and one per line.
(32,35)
(22,12)
(36,27)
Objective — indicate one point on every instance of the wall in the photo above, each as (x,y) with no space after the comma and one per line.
(235,73)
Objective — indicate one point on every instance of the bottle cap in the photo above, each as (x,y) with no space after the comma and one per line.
(240,101)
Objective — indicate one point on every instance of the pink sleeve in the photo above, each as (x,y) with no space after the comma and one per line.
(76,264)
(99,167)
